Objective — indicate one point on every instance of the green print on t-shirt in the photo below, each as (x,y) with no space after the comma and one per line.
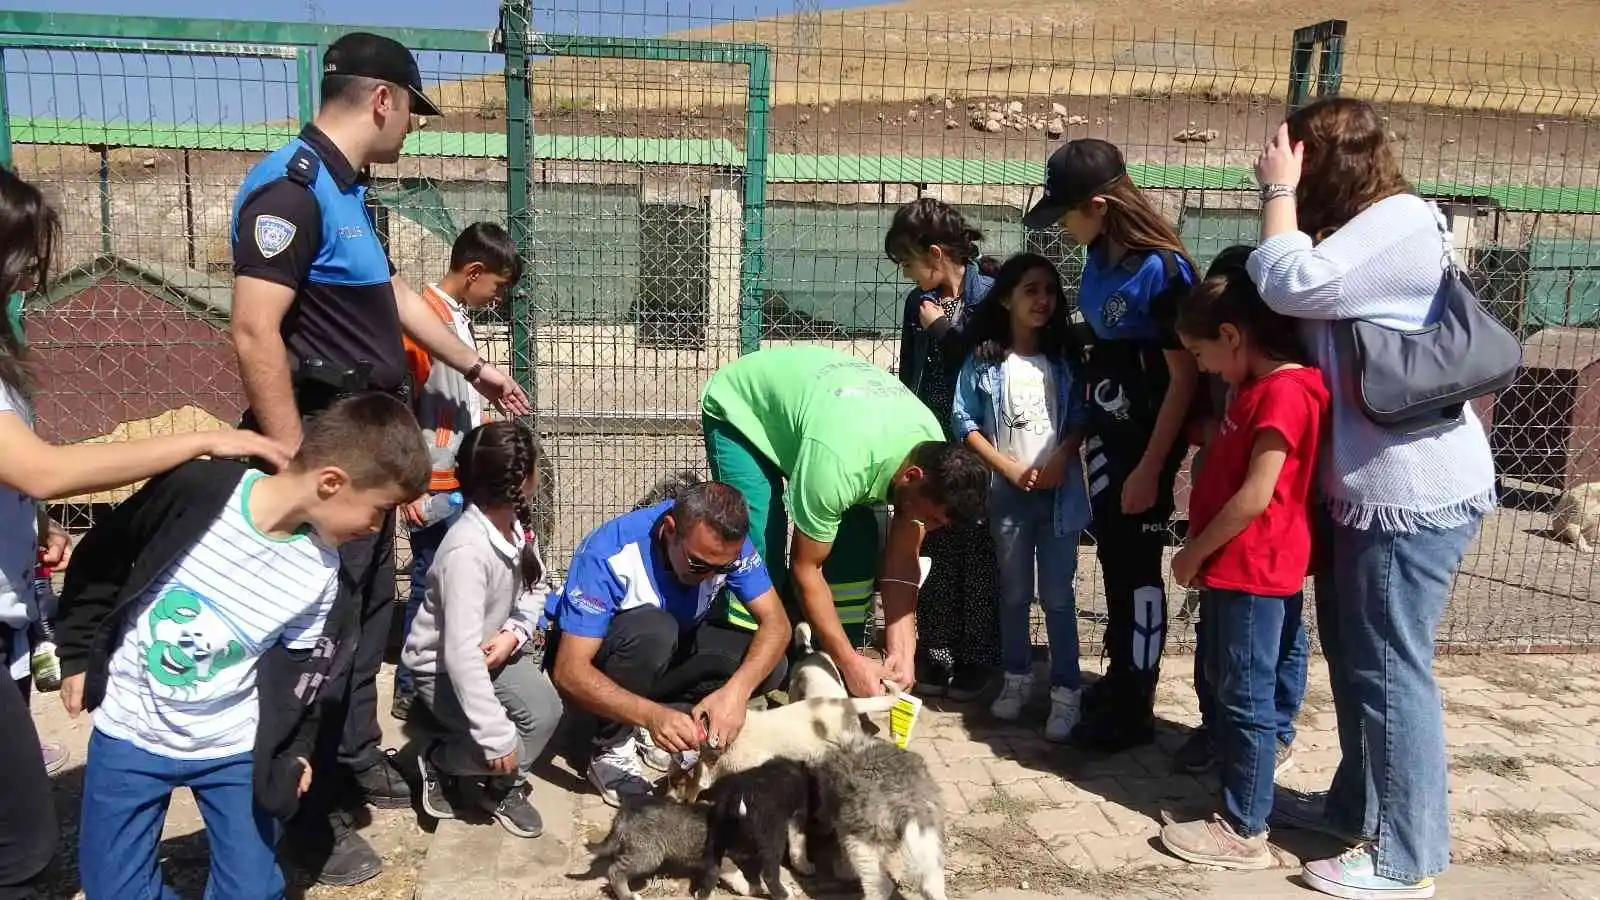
(184,652)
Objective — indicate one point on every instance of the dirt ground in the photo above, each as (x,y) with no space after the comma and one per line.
(396,835)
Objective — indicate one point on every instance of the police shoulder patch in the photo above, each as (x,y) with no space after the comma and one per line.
(273,235)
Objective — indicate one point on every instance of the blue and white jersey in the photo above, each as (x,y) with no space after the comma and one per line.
(621,566)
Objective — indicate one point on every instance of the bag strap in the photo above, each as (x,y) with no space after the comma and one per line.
(1449,262)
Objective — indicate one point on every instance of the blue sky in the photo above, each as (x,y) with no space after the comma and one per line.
(124,87)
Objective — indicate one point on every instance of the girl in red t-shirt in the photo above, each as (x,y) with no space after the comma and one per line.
(1249,549)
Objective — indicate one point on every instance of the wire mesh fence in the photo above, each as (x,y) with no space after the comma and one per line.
(701,184)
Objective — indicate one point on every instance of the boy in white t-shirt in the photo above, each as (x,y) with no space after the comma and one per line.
(178,608)
(483,265)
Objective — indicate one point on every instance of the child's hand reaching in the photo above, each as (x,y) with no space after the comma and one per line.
(497,651)
(1186,567)
(305,776)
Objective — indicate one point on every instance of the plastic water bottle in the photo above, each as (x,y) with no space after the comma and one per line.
(46,667)
(439,507)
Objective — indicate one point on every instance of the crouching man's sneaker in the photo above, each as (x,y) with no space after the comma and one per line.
(617,774)
(1354,875)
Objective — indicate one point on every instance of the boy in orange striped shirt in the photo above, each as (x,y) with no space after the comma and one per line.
(483,265)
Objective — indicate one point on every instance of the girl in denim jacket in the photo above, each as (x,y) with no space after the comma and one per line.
(1020,405)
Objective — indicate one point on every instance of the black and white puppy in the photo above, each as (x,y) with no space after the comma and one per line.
(765,810)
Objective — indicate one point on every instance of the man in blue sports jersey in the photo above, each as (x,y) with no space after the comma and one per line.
(632,643)
(318,313)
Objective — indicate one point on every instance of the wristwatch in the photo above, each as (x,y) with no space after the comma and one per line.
(1274,190)
(473,373)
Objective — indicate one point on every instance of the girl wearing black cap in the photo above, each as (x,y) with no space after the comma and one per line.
(1140,382)
(957,617)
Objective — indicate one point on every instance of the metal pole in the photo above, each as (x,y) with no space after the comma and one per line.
(5,116)
(189,236)
(307,82)
(753,267)
(105,200)
(515,24)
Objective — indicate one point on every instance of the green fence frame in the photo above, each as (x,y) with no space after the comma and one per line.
(757,58)
(514,39)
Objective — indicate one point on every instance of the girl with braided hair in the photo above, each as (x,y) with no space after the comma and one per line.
(486,707)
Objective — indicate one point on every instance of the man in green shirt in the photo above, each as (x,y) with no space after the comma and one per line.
(811,434)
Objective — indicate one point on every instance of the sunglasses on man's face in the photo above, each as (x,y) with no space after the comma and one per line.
(698,566)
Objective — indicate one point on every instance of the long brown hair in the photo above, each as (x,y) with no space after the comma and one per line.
(1132,221)
(1349,164)
(28,230)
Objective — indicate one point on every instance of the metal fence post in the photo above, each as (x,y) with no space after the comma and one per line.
(307,81)
(515,24)
(755,200)
(5,116)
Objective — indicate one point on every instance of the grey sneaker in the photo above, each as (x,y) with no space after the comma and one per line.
(617,774)
(653,756)
(513,811)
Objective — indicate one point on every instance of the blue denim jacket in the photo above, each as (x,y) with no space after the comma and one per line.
(980,391)
(914,339)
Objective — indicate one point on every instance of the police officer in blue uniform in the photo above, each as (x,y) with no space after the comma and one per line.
(318,313)
(1140,382)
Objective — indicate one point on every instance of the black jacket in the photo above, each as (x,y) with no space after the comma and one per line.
(125,552)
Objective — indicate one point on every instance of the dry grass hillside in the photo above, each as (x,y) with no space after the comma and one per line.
(1509,56)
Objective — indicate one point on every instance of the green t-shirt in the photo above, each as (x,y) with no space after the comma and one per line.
(837,427)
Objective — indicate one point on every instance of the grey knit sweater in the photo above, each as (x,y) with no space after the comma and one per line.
(474,593)
(1383,266)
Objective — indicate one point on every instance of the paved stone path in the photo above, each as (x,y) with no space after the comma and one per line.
(1030,818)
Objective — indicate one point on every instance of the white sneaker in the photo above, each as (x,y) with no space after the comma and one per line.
(653,756)
(616,774)
(1064,713)
(1014,695)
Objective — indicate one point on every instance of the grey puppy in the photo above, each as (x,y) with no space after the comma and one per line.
(653,834)
(876,797)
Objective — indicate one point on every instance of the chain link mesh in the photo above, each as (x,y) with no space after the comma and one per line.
(688,201)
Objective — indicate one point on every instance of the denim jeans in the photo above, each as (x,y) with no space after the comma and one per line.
(1379,603)
(424,544)
(1293,656)
(1253,666)
(1023,526)
(125,795)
